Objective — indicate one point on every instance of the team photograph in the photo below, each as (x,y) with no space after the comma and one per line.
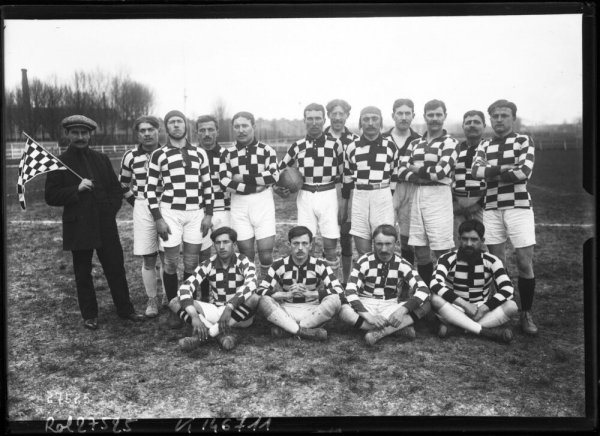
(286,224)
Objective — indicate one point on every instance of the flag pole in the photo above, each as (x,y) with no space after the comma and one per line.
(53,156)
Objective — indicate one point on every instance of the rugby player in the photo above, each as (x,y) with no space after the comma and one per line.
(289,293)
(320,160)
(461,288)
(133,174)
(428,163)
(506,162)
(467,192)
(184,212)
(373,291)
(370,163)
(338,112)
(248,169)
(232,303)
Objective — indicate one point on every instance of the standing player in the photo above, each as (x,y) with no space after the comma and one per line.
(428,163)
(321,162)
(467,192)
(134,170)
(90,207)
(338,112)
(232,281)
(461,288)
(289,295)
(403,113)
(248,170)
(373,291)
(370,163)
(208,131)
(185,210)
(506,163)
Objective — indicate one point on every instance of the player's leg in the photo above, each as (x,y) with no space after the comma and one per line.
(149,279)
(170,281)
(262,218)
(418,237)
(351,318)
(172,249)
(500,315)
(404,193)
(436,207)
(208,314)
(204,286)
(145,244)
(453,315)
(360,222)
(406,325)
(346,248)
(326,211)
(86,295)
(320,314)
(274,313)
(240,317)
(161,272)
(265,254)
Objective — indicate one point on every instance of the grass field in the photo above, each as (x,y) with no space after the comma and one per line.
(135,370)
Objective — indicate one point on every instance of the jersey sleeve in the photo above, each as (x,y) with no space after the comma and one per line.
(126,174)
(248,270)
(447,159)
(355,284)
(438,282)
(505,290)
(186,290)
(270,175)
(420,289)
(524,167)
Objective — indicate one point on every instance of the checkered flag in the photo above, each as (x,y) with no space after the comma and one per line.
(35,160)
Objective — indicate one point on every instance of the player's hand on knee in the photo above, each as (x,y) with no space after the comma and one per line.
(199,329)
(481,311)
(260,188)
(470,310)
(224,320)
(396,318)
(377,320)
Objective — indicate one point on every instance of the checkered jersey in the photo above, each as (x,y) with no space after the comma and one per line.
(463,180)
(401,148)
(284,272)
(369,162)
(227,285)
(257,163)
(515,151)
(221,198)
(454,278)
(436,159)
(372,278)
(319,160)
(346,138)
(133,173)
(186,182)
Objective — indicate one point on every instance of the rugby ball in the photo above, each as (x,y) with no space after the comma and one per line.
(291,179)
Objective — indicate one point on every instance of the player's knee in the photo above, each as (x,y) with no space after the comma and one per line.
(436,301)
(510,308)
(253,301)
(204,255)
(265,257)
(423,255)
(347,315)
(190,262)
(330,305)
(149,261)
(174,305)
(423,309)
(267,305)
(170,262)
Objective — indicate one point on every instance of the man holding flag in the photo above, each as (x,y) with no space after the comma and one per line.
(91,196)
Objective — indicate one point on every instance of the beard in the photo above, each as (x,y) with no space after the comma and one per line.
(468,255)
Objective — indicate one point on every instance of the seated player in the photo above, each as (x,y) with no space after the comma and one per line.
(297,307)
(232,302)
(373,290)
(460,288)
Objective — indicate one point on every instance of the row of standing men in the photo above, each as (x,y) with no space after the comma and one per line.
(418,182)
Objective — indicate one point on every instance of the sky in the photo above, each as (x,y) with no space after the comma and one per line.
(275,67)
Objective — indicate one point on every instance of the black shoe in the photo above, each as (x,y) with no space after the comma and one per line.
(91,324)
(135,317)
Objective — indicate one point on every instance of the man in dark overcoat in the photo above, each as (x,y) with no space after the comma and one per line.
(90,206)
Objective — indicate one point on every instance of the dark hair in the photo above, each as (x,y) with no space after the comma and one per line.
(314,107)
(153,121)
(387,230)
(474,113)
(503,103)
(434,104)
(242,114)
(338,102)
(222,231)
(469,225)
(299,231)
(403,102)
(207,119)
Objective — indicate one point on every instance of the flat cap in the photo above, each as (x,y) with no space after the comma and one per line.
(79,121)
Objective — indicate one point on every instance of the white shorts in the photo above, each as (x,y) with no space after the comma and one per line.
(431,218)
(384,308)
(403,199)
(253,216)
(299,311)
(184,226)
(145,237)
(477,304)
(319,209)
(220,218)
(518,225)
(213,313)
(371,209)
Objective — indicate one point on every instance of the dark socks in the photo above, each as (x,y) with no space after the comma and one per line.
(426,271)
(408,255)
(526,289)
(170,285)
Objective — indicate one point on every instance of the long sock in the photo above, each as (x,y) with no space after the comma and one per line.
(322,313)
(149,279)
(494,318)
(186,275)
(426,272)
(275,314)
(456,317)
(526,289)
(170,284)
(408,255)
(346,267)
